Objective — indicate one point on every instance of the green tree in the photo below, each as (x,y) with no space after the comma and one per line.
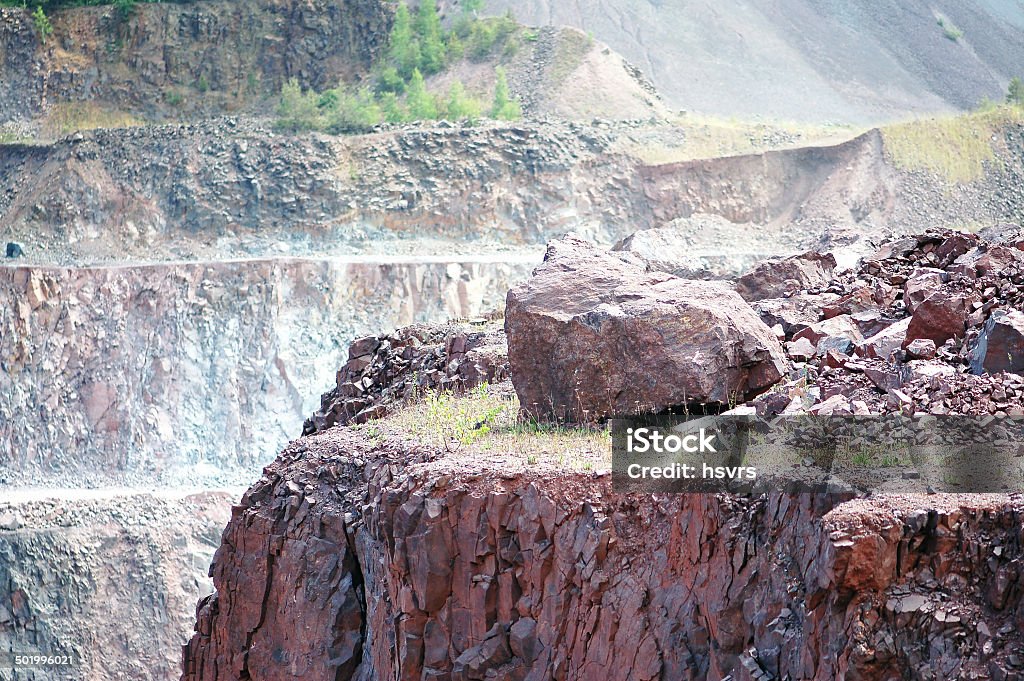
(504,107)
(460,106)
(390,80)
(421,105)
(392,109)
(405,49)
(42,22)
(431,38)
(1015,93)
(472,6)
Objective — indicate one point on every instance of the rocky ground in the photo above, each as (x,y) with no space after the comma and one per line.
(450,537)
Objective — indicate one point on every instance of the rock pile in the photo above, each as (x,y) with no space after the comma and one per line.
(927,324)
(390,369)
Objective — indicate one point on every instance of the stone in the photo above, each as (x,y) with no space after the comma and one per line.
(924,283)
(800,350)
(775,277)
(1000,346)
(921,348)
(523,640)
(593,335)
(884,343)
(494,651)
(793,314)
(842,326)
(14,250)
(941,317)
(9,521)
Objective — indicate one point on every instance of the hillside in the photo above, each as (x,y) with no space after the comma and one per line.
(810,60)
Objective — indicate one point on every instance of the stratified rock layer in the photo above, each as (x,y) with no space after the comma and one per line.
(471,569)
(594,334)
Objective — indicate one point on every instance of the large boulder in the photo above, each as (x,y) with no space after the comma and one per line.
(1000,347)
(941,316)
(775,277)
(593,334)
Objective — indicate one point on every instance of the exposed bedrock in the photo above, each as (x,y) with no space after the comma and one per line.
(230,186)
(164,373)
(108,578)
(153,60)
(354,559)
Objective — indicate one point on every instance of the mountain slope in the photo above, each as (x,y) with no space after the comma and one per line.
(805,60)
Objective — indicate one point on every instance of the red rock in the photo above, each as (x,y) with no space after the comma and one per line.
(1000,347)
(887,341)
(592,335)
(920,286)
(842,326)
(939,318)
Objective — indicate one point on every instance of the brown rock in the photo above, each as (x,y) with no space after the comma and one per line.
(592,334)
(773,278)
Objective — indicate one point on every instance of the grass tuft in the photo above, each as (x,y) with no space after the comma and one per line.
(487,421)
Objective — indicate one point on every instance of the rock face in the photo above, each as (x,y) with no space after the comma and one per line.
(178,371)
(1000,346)
(394,563)
(239,50)
(594,334)
(109,578)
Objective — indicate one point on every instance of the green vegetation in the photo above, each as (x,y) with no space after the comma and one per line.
(949,29)
(1015,92)
(955,148)
(68,117)
(504,107)
(43,26)
(482,421)
(418,47)
(124,7)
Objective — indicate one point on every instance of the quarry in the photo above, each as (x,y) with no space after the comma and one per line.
(286,400)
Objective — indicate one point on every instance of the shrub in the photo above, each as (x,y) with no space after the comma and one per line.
(389,80)
(42,22)
(345,111)
(431,41)
(460,106)
(950,30)
(298,110)
(392,109)
(405,49)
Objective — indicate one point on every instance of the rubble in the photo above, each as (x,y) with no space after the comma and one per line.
(384,371)
(943,333)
